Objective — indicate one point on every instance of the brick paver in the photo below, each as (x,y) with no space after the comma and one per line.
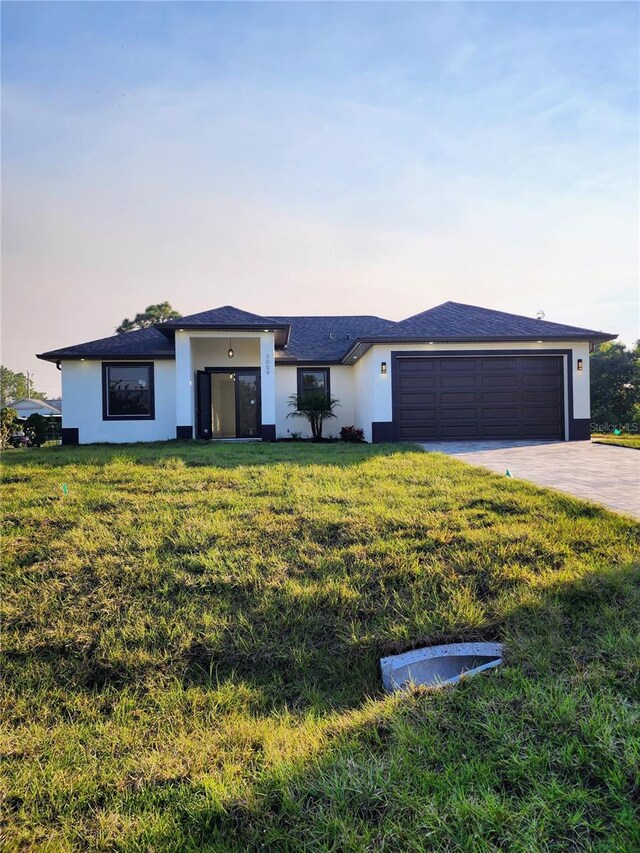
(596,472)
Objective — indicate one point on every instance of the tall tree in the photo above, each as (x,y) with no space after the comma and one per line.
(151,315)
(615,384)
(14,386)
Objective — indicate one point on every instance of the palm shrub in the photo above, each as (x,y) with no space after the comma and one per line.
(316,406)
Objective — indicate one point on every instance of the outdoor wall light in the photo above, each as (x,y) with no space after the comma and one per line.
(579,364)
(383,367)
(230,350)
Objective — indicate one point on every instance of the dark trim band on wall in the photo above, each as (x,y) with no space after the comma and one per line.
(69,435)
(382,431)
(184,433)
(105,391)
(579,429)
(268,432)
(575,425)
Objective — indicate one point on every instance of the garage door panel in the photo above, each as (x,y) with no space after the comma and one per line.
(422,415)
(458,365)
(463,381)
(449,397)
(460,431)
(529,364)
(459,412)
(417,399)
(500,381)
(499,413)
(417,433)
(417,383)
(499,397)
(497,431)
(540,380)
(458,397)
(420,366)
(502,365)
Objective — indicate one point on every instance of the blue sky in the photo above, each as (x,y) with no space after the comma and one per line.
(315,158)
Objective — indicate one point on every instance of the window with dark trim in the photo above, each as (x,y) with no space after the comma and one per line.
(127,391)
(313,379)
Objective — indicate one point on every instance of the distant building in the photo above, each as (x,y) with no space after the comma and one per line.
(25,407)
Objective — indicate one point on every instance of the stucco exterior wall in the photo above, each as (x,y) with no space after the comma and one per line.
(365,394)
(82,395)
(342,384)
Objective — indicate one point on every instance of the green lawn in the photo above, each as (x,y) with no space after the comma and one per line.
(191,644)
(625,440)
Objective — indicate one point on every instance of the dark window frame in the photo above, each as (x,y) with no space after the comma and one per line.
(105,391)
(327,379)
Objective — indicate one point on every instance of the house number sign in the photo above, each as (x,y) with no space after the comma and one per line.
(267,364)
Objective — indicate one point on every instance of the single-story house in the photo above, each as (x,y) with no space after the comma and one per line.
(25,407)
(453,372)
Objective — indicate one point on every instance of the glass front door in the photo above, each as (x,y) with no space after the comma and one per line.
(247,408)
(229,403)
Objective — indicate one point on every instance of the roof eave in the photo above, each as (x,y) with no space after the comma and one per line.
(366,343)
(97,356)
(222,327)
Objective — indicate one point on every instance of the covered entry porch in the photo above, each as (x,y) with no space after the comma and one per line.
(225,384)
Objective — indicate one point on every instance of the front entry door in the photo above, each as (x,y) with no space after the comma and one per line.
(228,403)
(247,404)
(203,405)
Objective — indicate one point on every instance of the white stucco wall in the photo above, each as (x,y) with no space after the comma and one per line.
(364,393)
(374,395)
(82,395)
(342,385)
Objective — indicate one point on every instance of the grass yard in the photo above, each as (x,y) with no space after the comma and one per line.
(191,643)
(625,440)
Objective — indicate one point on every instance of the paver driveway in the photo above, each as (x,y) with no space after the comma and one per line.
(597,472)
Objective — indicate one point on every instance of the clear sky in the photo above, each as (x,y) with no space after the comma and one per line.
(315,158)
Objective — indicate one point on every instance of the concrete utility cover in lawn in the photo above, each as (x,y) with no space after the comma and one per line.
(601,473)
(437,666)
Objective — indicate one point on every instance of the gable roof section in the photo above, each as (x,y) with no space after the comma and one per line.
(454,321)
(226,317)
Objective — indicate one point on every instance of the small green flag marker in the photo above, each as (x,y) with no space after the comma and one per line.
(617,432)
(508,473)
(65,490)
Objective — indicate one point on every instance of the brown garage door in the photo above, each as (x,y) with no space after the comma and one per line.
(481,397)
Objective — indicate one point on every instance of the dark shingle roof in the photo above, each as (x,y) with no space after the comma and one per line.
(141,343)
(329,339)
(457,321)
(226,316)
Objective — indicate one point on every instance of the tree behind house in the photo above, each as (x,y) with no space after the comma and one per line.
(615,384)
(15,386)
(151,315)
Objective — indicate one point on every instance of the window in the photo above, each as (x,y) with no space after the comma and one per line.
(314,379)
(127,391)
